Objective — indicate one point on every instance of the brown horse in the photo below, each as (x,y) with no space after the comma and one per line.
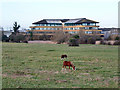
(68,63)
(63,56)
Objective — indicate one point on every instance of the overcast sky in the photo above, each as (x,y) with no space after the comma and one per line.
(25,12)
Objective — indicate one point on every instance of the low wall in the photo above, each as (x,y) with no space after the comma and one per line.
(111,42)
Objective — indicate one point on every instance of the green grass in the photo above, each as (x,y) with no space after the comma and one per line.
(40,66)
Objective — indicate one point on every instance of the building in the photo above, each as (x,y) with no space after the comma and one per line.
(50,26)
(110,31)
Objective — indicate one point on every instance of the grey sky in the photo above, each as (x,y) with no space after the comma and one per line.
(25,12)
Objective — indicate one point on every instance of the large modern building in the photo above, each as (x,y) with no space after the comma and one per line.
(50,26)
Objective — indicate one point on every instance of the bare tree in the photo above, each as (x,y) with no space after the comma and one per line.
(60,37)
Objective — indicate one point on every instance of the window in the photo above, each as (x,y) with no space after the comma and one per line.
(86,27)
(52,24)
(92,24)
(86,32)
(84,24)
(72,32)
(48,24)
(60,28)
(90,28)
(95,28)
(89,32)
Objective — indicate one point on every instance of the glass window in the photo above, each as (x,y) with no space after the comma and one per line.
(86,27)
(86,32)
(84,24)
(52,24)
(90,27)
(89,32)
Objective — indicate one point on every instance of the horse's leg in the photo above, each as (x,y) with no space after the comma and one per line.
(65,67)
(69,68)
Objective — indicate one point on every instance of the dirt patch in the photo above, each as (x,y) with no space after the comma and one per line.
(56,72)
(15,76)
(65,70)
(61,81)
(75,87)
(84,74)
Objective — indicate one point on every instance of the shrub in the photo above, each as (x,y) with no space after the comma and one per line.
(25,41)
(117,43)
(117,38)
(12,37)
(17,38)
(102,42)
(5,38)
(73,42)
(90,40)
(76,36)
(109,43)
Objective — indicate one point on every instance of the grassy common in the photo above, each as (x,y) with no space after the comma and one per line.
(39,66)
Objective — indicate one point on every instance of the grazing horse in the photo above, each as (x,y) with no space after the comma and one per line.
(68,63)
(63,56)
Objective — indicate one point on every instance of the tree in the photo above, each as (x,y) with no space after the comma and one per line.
(31,35)
(114,34)
(16,27)
(60,37)
(82,37)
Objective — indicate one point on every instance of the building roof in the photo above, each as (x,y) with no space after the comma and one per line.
(60,21)
(40,22)
(109,29)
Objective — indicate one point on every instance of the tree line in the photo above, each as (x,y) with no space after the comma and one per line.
(60,37)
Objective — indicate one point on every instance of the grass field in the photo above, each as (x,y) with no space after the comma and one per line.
(40,66)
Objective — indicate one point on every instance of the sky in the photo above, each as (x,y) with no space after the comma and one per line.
(25,12)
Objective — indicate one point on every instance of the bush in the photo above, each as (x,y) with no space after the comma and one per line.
(45,37)
(76,36)
(17,38)
(25,41)
(91,40)
(109,43)
(73,42)
(117,38)
(117,43)
(102,42)
(5,38)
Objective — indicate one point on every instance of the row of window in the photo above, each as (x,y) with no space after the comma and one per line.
(46,28)
(92,32)
(40,32)
(80,28)
(76,28)
(67,24)
(72,32)
(86,32)
(48,24)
